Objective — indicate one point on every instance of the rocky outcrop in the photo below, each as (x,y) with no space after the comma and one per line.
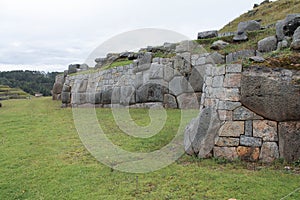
(287,26)
(271,93)
(207,34)
(58,86)
(296,40)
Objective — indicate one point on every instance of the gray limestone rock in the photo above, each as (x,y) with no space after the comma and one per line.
(267,44)
(287,26)
(240,36)
(251,25)
(218,45)
(207,34)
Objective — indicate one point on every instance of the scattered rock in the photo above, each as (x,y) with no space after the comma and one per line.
(251,25)
(218,45)
(287,26)
(267,44)
(257,59)
(289,140)
(207,34)
(296,39)
(240,37)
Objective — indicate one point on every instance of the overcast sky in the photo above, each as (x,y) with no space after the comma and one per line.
(48,35)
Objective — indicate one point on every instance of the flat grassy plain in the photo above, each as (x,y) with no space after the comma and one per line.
(42,157)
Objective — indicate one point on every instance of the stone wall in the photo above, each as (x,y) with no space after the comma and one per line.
(250,113)
(150,81)
(227,128)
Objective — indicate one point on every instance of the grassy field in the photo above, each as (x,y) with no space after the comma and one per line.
(42,157)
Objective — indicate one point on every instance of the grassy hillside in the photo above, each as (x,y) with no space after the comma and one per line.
(12,93)
(268,13)
(42,157)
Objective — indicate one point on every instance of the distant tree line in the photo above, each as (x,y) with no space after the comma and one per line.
(31,82)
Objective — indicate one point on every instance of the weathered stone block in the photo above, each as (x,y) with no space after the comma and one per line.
(179,85)
(151,92)
(229,153)
(170,101)
(225,115)
(243,113)
(250,141)
(189,101)
(269,152)
(168,72)
(228,105)
(156,71)
(232,129)
(127,96)
(233,68)
(217,81)
(267,130)
(232,94)
(249,128)
(232,80)
(248,153)
(289,140)
(218,70)
(227,142)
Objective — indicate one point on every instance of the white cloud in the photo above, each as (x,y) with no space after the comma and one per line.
(56,32)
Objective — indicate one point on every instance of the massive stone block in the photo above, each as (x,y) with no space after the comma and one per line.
(289,140)
(277,100)
(151,92)
(200,134)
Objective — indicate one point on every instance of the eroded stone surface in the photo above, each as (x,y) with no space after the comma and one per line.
(269,152)
(267,130)
(289,140)
(248,153)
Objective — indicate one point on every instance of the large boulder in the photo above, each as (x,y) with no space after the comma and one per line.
(271,93)
(240,36)
(207,34)
(267,44)
(251,25)
(296,40)
(287,26)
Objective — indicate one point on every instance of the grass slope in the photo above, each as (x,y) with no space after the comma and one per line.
(42,157)
(7,92)
(268,13)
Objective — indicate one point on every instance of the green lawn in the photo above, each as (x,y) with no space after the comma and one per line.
(42,157)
